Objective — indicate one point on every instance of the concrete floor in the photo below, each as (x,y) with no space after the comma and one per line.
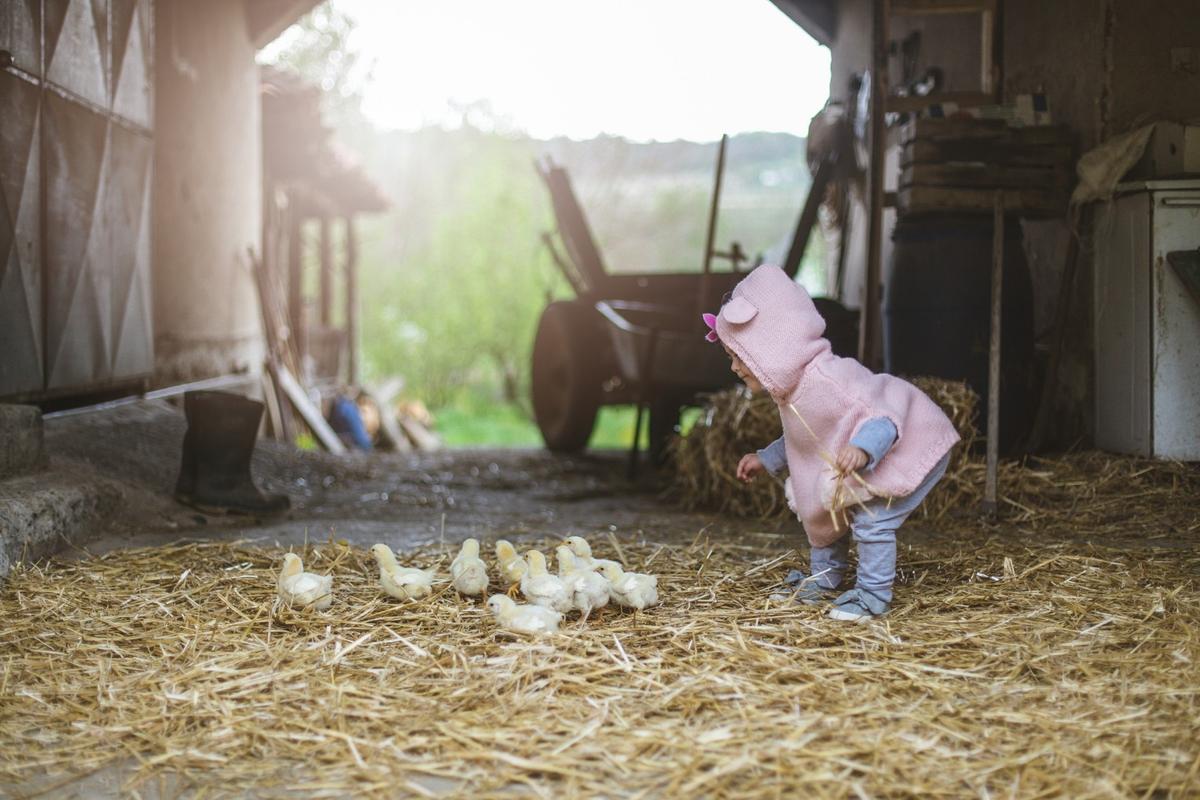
(402,500)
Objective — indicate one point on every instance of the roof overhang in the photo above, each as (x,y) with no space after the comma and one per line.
(817,17)
(266,19)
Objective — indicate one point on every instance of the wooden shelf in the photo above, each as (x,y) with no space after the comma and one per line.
(958,98)
(922,7)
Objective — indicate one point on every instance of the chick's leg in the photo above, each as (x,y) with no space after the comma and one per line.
(513,589)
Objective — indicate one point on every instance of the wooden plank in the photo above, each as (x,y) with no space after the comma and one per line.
(385,397)
(906,8)
(424,439)
(995,130)
(1042,134)
(988,176)
(995,152)
(808,216)
(311,414)
(961,99)
(1029,202)
(274,415)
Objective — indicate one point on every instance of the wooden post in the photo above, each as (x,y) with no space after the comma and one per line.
(869,320)
(295,283)
(326,251)
(702,298)
(993,406)
(351,299)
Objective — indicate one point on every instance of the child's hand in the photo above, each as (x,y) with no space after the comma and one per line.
(851,459)
(749,467)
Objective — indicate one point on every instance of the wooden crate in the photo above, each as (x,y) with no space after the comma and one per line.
(958,164)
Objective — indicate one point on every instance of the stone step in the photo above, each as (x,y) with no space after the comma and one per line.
(21,440)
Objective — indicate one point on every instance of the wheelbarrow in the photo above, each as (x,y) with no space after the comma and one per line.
(637,338)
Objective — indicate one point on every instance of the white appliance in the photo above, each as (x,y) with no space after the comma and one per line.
(1146,322)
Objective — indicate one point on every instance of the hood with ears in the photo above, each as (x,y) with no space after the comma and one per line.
(772,325)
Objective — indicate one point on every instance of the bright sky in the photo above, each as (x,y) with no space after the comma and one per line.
(642,69)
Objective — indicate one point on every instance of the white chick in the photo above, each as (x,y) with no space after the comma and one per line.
(512,566)
(543,589)
(402,583)
(299,588)
(583,553)
(467,571)
(631,589)
(589,591)
(522,618)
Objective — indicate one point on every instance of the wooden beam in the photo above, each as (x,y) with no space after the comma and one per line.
(352,302)
(869,319)
(326,276)
(295,286)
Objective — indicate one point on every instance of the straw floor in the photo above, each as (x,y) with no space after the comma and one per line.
(1005,670)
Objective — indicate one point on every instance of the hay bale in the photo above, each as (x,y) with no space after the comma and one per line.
(735,423)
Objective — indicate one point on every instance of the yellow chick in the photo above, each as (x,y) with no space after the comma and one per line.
(536,620)
(512,566)
(583,553)
(631,589)
(589,591)
(299,588)
(402,583)
(467,571)
(543,589)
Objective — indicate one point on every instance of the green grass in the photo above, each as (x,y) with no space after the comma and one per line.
(471,425)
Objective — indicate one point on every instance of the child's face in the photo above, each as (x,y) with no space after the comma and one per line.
(742,372)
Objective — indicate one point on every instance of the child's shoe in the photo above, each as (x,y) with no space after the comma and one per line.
(858,605)
(802,589)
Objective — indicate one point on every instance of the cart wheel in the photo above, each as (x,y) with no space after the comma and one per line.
(566,386)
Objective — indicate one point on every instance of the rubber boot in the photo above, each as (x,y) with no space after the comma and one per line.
(214,472)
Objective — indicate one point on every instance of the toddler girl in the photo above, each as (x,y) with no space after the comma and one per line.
(862,449)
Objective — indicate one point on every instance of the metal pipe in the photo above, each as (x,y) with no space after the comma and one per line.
(220,382)
(993,408)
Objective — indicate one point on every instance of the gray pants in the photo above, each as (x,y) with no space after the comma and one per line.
(874,529)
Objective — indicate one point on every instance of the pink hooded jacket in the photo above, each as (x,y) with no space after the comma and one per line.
(774,328)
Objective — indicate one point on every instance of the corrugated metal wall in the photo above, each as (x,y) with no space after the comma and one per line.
(76,149)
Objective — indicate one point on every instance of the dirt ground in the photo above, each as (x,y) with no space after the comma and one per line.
(402,500)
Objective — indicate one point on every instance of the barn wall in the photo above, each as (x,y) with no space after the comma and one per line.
(207,191)
(1105,67)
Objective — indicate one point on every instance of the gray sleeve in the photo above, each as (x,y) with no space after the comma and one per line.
(875,438)
(774,457)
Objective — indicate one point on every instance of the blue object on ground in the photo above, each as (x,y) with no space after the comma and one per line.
(345,419)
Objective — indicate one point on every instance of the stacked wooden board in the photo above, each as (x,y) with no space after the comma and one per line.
(956,165)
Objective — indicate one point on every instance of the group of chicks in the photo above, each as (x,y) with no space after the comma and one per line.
(583,583)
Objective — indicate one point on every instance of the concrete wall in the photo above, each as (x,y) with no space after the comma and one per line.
(1105,66)
(207,191)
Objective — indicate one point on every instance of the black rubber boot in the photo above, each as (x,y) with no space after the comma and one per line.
(214,473)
